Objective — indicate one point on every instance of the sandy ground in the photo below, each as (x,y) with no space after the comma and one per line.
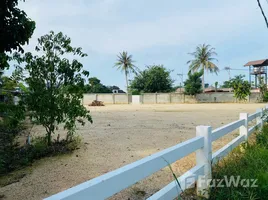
(122,134)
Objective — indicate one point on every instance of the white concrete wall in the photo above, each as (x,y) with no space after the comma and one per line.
(161,98)
(121,98)
(216,97)
(149,98)
(177,98)
(88,98)
(107,98)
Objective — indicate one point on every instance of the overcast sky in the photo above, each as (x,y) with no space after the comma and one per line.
(154,32)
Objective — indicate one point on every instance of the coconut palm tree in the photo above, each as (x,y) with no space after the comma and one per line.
(125,64)
(203,59)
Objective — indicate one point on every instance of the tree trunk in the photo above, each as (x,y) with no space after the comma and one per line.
(203,79)
(126,80)
(49,138)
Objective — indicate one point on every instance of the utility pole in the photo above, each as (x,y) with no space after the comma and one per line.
(181,76)
(228,69)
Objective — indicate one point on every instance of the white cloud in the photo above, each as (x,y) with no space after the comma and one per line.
(99,26)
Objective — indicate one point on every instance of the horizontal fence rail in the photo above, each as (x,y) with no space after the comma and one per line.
(108,184)
(218,155)
(113,182)
(171,191)
(222,131)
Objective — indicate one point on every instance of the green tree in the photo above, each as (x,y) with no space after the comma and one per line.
(95,86)
(241,87)
(203,59)
(193,85)
(156,78)
(15,29)
(125,64)
(263,89)
(226,84)
(56,84)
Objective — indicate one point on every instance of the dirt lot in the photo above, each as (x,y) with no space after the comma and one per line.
(120,135)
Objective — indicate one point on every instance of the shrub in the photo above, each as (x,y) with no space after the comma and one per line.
(14,156)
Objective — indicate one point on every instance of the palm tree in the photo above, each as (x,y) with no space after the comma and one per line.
(203,58)
(125,64)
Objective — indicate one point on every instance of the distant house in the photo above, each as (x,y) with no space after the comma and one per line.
(213,89)
(180,90)
(16,93)
(117,90)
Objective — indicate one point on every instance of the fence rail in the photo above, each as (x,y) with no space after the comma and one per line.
(113,182)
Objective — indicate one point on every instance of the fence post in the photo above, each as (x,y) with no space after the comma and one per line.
(259,118)
(204,157)
(243,130)
(156,97)
(113,98)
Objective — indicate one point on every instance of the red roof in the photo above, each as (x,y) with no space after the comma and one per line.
(263,62)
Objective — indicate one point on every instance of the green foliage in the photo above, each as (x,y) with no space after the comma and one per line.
(249,161)
(155,78)
(15,29)
(193,85)
(226,84)
(135,92)
(95,86)
(241,87)
(125,64)
(14,156)
(265,97)
(56,84)
(263,89)
(203,60)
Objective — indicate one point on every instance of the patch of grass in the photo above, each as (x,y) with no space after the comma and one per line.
(249,161)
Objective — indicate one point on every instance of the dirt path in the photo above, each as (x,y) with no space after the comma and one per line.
(122,134)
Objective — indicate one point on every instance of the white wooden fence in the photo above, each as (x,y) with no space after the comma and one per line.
(113,182)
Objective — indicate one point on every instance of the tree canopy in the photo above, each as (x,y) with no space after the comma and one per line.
(56,84)
(155,78)
(95,86)
(15,29)
(203,59)
(241,87)
(193,85)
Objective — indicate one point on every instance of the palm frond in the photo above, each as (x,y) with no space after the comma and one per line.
(125,63)
(203,56)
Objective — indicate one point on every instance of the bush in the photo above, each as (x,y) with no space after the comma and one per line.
(265,97)
(14,156)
